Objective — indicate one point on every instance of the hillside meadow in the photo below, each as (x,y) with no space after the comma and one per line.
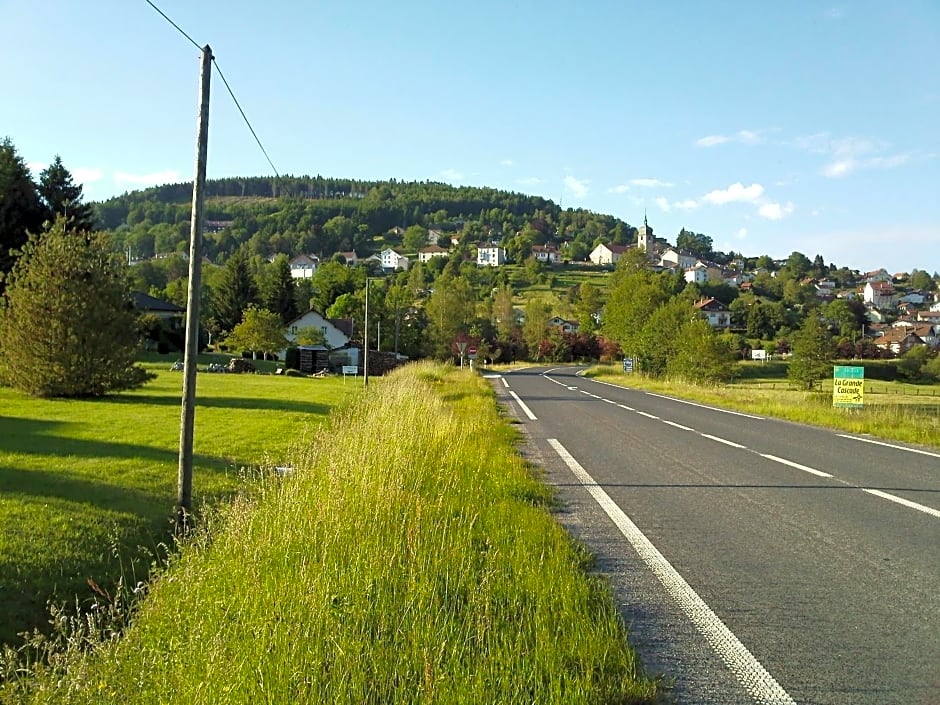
(411,555)
(88,486)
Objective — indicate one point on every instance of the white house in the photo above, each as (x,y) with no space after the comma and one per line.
(607,254)
(564,325)
(716,313)
(697,274)
(491,256)
(351,257)
(427,253)
(303,266)
(880,294)
(335,338)
(678,258)
(546,253)
(391,260)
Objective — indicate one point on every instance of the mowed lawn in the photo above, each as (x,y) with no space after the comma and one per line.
(88,487)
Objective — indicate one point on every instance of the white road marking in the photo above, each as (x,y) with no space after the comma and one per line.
(906,502)
(505,383)
(748,670)
(723,440)
(804,468)
(624,406)
(889,445)
(649,416)
(678,425)
(522,405)
(706,406)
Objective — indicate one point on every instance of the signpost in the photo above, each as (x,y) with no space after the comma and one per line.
(628,364)
(462,348)
(350,370)
(848,386)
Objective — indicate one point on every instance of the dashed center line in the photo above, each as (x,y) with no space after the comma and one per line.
(722,440)
(649,416)
(804,468)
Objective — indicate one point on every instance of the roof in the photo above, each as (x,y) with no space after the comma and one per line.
(145,302)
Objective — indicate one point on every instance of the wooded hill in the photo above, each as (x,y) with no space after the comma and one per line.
(318,215)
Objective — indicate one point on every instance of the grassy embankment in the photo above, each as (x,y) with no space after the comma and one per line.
(901,412)
(410,557)
(84,483)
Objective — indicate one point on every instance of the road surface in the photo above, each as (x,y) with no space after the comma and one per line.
(754,560)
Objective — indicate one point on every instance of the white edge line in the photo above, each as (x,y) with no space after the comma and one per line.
(722,440)
(748,670)
(522,405)
(804,468)
(889,445)
(906,502)
(505,383)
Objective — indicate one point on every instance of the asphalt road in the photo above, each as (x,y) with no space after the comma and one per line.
(754,560)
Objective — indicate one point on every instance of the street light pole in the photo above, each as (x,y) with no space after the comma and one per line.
(365,341)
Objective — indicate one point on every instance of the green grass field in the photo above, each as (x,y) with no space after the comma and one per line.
(84,483)
(410,557)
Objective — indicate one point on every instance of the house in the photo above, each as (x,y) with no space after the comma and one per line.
(491,256)
(303,266)
(607,254)
(683,259)
(335,337)
(880,294)
(391,260)
(427,253)
(564,325)
(716,313)
(434,234)
(546,253)
(879,275)
(144,303)
(351,257)
(898,340)
(170,334)
(697,274)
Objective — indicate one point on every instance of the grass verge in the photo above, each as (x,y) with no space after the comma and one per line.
(410,557)
(910,418)
(87,486)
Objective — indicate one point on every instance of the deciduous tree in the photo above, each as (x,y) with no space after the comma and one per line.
(259,329)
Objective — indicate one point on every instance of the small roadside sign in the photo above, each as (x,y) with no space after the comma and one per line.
(472,352)
(848,386)
(628,364)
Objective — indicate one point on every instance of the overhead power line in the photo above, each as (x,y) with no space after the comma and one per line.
(227,86)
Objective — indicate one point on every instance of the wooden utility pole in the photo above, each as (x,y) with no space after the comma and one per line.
(365,341)
(184,502)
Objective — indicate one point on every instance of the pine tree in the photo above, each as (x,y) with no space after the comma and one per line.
(277,290)
(234,292)
(67,322)
(20,208)
(61,196)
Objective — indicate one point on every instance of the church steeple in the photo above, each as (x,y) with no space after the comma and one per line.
(645,240)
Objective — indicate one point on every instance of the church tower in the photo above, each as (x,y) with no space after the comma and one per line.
(644,239)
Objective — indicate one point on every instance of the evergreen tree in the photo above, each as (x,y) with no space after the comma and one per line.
(61,196)
(813,352)
(67,323)
(21,211)
(277,290)
(234,292)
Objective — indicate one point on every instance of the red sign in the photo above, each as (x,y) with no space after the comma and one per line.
(472,350)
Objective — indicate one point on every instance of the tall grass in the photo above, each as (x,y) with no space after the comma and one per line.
(410,557)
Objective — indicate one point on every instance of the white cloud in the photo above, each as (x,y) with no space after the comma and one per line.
(169,176)
(686,205)
(36,167)
(84,175)
(507,162)
(836,13)
(579,187)
(529,181)
(736,192)
(742,233)
(452,174)
(663,204)
(666,205)
(651,183)
(775,211)
(741,136)
(842,167)
(619,188)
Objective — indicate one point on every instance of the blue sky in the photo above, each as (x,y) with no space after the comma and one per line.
(771,127)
